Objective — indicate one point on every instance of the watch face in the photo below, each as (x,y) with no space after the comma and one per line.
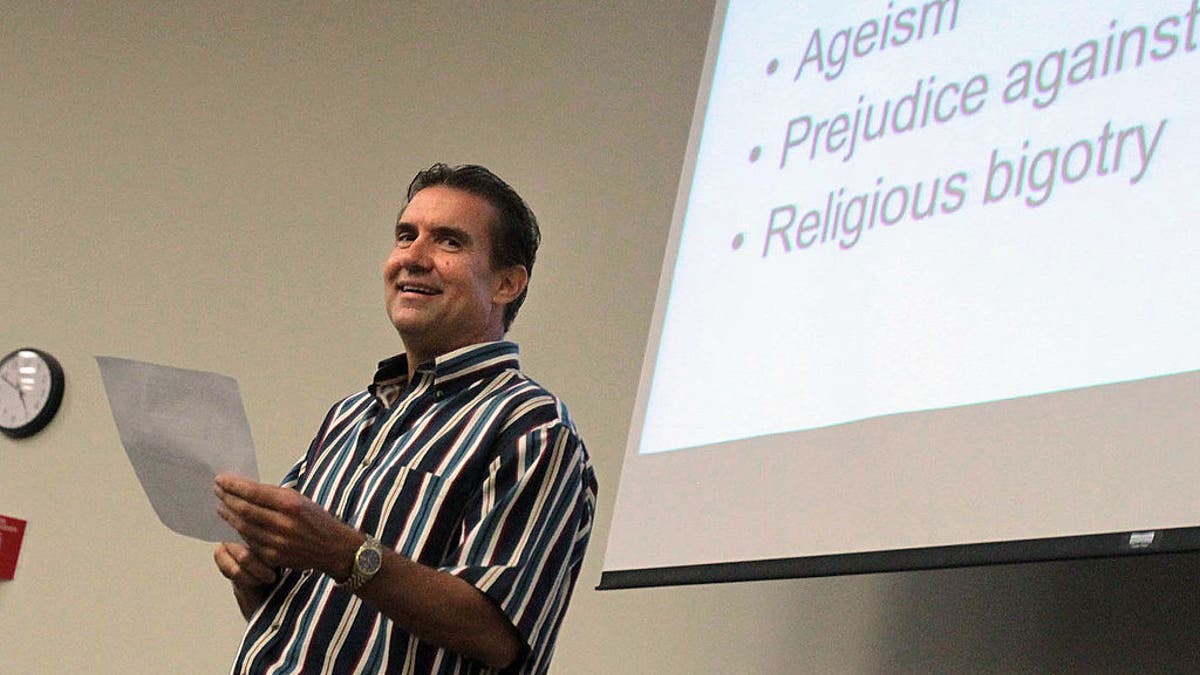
(31,388)
(369,561)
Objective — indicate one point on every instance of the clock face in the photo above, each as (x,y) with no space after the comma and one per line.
(31,388)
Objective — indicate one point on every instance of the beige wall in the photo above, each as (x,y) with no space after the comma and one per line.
(211,185)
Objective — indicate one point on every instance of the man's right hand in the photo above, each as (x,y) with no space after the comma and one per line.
(250,575)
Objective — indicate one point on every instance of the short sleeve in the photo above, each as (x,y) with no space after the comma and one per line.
(526,530)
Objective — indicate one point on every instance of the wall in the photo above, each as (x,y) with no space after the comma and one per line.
(212,185)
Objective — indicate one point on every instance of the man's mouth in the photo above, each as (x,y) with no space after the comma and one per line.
(417,288)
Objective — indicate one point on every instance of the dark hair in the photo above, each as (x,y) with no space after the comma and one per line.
(515,234)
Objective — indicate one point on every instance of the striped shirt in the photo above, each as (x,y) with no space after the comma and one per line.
(471,468)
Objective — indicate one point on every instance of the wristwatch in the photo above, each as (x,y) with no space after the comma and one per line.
(367,561)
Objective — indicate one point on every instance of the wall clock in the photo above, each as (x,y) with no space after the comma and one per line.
(31,389)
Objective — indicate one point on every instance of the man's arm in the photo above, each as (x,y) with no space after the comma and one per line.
(285,529)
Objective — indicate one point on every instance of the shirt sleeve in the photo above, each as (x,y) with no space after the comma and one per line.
(526,531)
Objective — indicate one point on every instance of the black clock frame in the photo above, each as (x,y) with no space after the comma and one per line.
(58,384)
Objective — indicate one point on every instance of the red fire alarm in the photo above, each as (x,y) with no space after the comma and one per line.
(12,531)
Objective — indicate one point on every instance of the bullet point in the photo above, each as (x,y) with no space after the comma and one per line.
(756,153)
(772,66)
(738,240)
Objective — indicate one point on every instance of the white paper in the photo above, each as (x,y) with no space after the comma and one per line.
(180,428)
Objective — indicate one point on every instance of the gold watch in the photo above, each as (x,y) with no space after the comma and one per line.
(367,561)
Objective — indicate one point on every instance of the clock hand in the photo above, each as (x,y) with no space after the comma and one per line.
(10,383)
(20,391)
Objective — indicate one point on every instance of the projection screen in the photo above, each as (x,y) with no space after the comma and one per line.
(929,297)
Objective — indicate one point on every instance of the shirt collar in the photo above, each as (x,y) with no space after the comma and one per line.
(451,371)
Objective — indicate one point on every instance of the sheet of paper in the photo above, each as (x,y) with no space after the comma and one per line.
(180,428)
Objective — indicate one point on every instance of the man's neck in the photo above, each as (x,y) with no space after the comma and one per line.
(416,356)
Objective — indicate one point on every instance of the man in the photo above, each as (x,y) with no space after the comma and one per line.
(438,521)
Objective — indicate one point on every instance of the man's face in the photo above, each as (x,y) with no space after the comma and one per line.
(439,286)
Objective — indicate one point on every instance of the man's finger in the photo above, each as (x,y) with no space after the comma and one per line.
(252,565)
(272,497)
(239,564)
(256,535)
(251,491)
(239,511)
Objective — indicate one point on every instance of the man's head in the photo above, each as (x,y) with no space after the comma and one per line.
(460,265)
(515,233)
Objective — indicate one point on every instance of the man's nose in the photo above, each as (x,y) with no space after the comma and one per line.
(413,255)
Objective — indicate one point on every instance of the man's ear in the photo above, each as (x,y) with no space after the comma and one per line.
(510,284)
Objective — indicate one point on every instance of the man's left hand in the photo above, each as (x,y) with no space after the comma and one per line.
(286,529)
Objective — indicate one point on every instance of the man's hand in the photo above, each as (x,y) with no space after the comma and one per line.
(283,528)
(250,576)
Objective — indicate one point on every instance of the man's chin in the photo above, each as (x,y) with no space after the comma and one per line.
(409,323)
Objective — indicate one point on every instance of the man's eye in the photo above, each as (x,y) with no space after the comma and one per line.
(451,242)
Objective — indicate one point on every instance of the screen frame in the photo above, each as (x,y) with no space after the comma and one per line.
(1087,547)
(1076,545)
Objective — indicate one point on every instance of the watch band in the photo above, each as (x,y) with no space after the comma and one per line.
(367,561)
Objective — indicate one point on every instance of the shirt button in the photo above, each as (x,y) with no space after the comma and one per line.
(274,627)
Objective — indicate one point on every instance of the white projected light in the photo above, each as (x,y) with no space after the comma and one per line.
(931,282)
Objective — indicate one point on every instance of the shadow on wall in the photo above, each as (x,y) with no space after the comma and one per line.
(1124,615)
